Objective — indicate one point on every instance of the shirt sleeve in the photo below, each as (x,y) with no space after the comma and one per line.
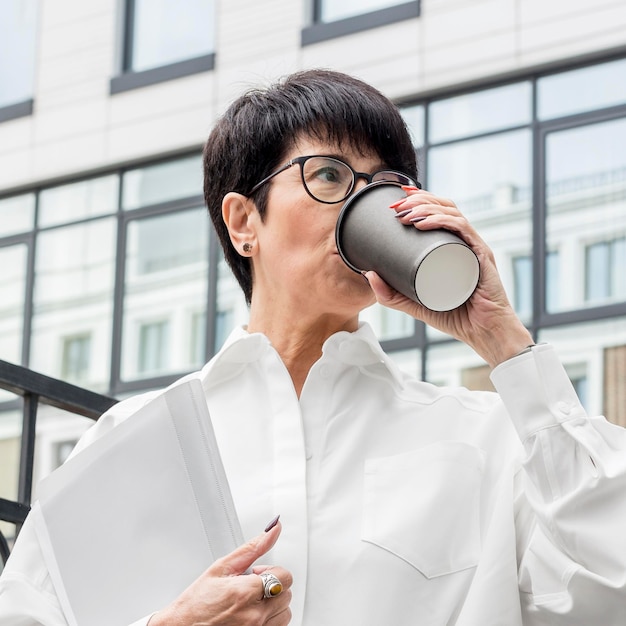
(573,566)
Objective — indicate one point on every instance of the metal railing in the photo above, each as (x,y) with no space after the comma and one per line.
(36,389)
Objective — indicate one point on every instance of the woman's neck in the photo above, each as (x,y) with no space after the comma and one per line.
(297,339)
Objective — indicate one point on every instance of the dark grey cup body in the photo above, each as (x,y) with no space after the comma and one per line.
(435,268)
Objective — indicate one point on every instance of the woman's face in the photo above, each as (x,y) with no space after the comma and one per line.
(297,264)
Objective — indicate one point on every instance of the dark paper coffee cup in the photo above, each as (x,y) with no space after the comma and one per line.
(435,268)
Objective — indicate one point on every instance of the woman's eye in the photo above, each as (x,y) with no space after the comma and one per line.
(328,174)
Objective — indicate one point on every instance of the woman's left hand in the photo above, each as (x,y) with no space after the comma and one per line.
(487,321)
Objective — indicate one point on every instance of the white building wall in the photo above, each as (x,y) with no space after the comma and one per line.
(77,126)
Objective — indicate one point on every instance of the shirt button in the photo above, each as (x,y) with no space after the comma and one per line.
(326,371)
(564,408)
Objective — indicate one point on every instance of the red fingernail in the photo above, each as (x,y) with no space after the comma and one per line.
(397,204)
(272,524)
(410,188)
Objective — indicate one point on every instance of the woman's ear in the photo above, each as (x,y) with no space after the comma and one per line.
(238,213)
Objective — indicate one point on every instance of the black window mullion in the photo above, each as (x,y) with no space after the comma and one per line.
(118,292)
(538,216)
(212,292)
(129,36)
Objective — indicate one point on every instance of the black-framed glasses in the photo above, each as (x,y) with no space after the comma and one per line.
(330,180)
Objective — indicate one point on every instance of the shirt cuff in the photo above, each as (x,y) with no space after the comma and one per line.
(536,391)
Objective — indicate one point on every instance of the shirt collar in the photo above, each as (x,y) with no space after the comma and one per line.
(359,348)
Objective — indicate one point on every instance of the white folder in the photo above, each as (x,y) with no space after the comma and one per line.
(132,520)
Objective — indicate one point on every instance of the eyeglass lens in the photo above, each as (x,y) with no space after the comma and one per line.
(330,180)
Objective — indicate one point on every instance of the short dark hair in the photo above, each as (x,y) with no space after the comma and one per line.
(257,131)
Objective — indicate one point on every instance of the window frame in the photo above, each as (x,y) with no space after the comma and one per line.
(319,31)
(128,79)
(17,110)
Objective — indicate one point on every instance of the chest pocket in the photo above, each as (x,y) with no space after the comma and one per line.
(424,506)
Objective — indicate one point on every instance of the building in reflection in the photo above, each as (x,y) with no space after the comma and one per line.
(111,277)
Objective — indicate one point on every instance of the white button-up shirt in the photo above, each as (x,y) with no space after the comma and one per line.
(403,503)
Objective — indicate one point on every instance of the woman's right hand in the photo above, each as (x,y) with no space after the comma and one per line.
(223,595)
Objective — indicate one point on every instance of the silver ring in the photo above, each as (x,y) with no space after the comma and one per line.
(272,587)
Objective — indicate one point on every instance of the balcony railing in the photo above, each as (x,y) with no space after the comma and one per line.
(36,389)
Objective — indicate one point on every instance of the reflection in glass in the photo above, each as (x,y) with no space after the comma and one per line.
(76,358)
(167,31)
(332,10)
(12,294)
(153,353)
(490,180)
(581,90)
(58,432)
(165,291)
(409,361)
(414,118)
(18,30)
(10,439)
(73,297)
(605,271)
(232,310)
(388,323)
(586,213)
(197,345)
(594,355)
(154,184)
(485,176)
(86,198)
(523,286)
(452,363)
(553,280)
(17,214)
(480,112)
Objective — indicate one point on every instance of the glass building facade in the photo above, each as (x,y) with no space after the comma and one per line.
(112,278)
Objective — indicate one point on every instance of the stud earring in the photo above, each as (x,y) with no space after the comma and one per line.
(247,247)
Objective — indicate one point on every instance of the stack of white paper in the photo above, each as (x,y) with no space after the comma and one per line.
(132,520)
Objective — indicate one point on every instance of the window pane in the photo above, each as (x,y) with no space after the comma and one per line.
(553,280)
(87,198)
(58,432)
(480,112)
(414,118)
(618,268)
(597,272)
(453,364)
(523,286)
(586,212)
(409,361)
(74,275)
(594,355)
(332,10)
(388,323)
(167,31)
(165,290)
(17,214)
(197,345)
(76,358)
(10,440)
(12,293)
(490,179)
(153,353)
(582,90)
(17,43)
(159,183)
(232,310)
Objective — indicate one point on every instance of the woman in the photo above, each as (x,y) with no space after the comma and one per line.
(400,503)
